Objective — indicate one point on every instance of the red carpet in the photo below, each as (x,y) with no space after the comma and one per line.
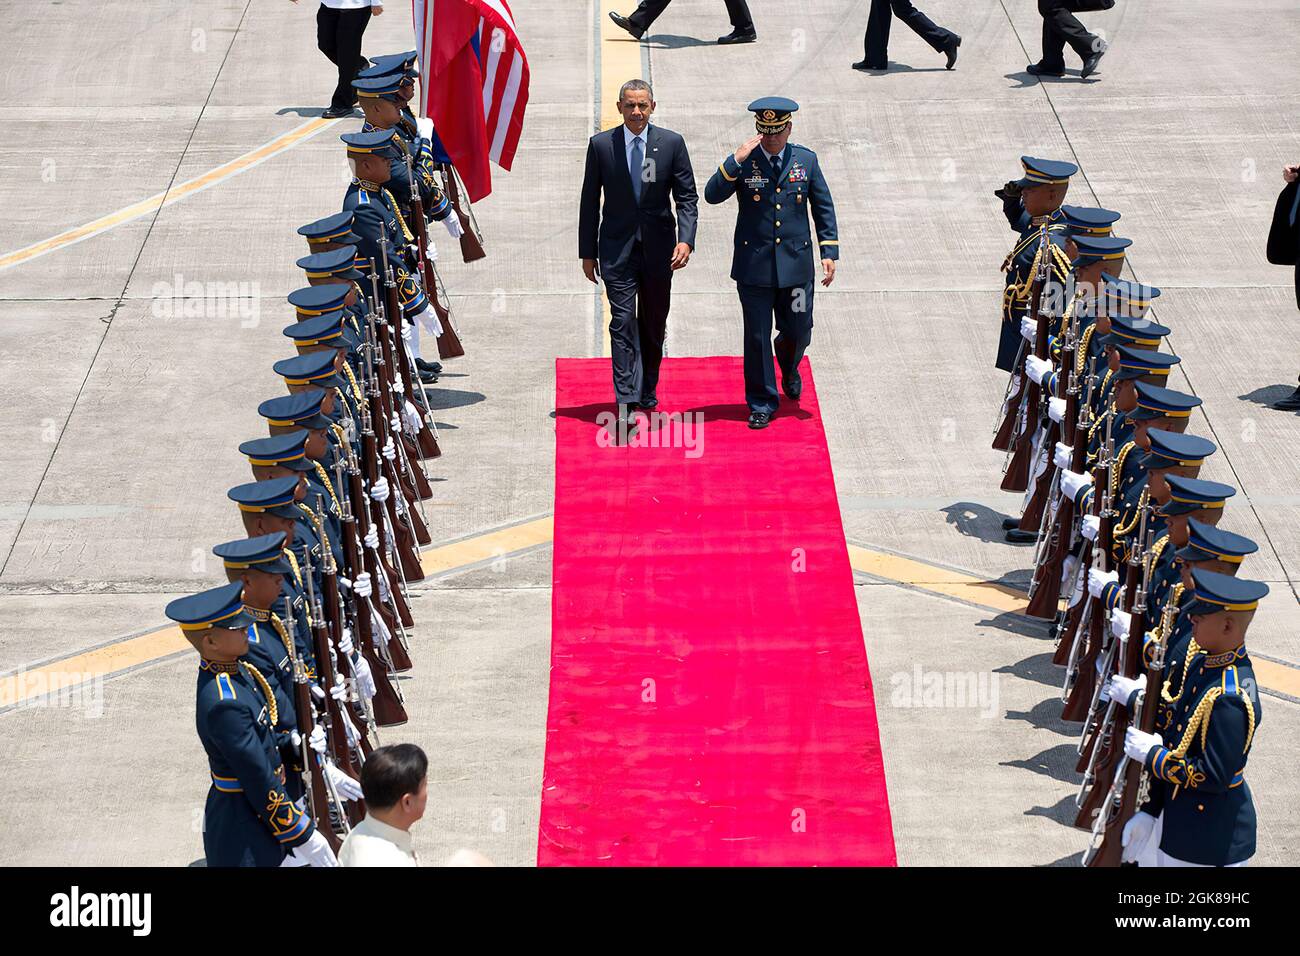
(710,704)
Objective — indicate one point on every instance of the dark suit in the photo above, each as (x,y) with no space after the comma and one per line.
(633,242)
(1284,236)
(648,11)
(774,259)
(1061,26)
(876,42)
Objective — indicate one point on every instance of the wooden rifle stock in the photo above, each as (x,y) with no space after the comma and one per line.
(428,443)
(449,344)
(389,711)
(471,244)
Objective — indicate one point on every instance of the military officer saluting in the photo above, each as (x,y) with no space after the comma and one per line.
(249,819)
(776,184)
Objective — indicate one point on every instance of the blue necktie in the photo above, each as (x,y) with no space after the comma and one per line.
(635,168)
(776,165)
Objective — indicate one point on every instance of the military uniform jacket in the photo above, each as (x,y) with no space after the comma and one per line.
(436,206)
(249,819)
(1197,776)
(374,216)
(773,244)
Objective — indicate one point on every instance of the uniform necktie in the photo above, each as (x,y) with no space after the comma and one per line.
(635,170)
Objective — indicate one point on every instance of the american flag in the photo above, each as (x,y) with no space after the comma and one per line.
(473,83)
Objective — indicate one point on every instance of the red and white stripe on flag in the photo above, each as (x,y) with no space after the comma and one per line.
(474,83)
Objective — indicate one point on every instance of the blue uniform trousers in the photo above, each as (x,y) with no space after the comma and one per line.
(793,308)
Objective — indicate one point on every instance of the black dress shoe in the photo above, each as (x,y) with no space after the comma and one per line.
(951,51)
(1036,69)
(792,385)
(1009,523)
(337,112)
(1289,404)
(626,24)
(738,36)
(1016,536)
(1090,64)
(759,419)
(428,378)
(423,366)
(864,65)
(648,403)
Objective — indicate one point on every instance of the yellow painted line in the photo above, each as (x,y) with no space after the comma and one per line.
(146,648)
(1277,677)
(620,61)
(79,668)
(928,577)
(485,547)
(188,188)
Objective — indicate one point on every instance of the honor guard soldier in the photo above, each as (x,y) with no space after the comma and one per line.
(320,370)
(248,819)
(1031,204)
(331,232)
(284,454)
(777,184)
(1199,810)
(377,221)
(381,102)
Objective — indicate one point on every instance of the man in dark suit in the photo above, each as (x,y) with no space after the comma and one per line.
(876,42)
(777,184)
(647,11)
(1284,249)
(633,242)
(1061,26)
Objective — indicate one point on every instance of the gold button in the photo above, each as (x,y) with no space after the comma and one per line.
(1200,806)
(778,222)
(778,240)
(778,205)
(778,188)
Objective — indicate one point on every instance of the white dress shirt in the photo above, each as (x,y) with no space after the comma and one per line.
(771,157)
(628,139)
(351,4)
(375,843)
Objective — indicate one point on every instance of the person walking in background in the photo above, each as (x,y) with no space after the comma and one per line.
(1284,249)
(1061,26)
(395,783)
(633,241)
(647,11)
(339,27)
(876,42)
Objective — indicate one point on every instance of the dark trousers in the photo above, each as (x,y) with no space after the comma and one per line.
(638,317)
(793,309)
(1061,26)
(648,11)
(338,35)
(876,42)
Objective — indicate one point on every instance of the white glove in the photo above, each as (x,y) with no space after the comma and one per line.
(1056,412)
(295,739)
(413,419)
(390,450)
(1120,689)
(431,252)
(1064,453)
(372,538)
(1029,329)
(452,222)
(1072,483)
(1099,579)
(1120,622)
(429,319)
(1137,833)
(339,691)
(317,692)
(395,423)
(379,490)
(345,643)
(347,788)
(364,678)
(1036,368)
(424,127)
(316,739)
(1090,527)
(1139,743)
(315,852)
(361,586)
